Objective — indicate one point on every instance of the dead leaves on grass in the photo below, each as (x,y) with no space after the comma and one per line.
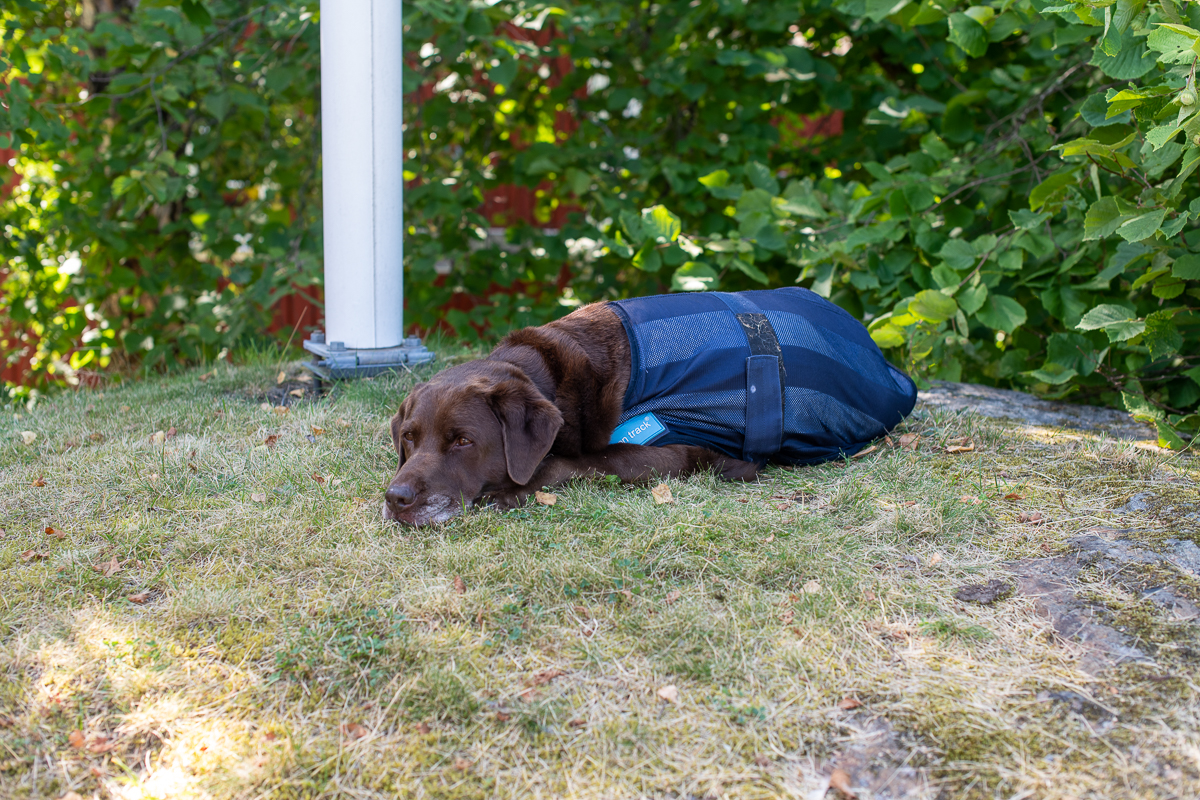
(669,693)
(849,703)
(28,437)
(139,599)
(33,555)
(662,494)
(108,568)
(840,779)
(545,498)
(96,743)
(460,586)
(55,533)
(1031,517)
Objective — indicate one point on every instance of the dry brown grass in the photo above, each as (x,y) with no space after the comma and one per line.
(300,647)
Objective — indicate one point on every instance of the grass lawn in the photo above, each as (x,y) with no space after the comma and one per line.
(220,611)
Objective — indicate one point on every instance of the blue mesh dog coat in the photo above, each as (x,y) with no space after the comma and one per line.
(780,375)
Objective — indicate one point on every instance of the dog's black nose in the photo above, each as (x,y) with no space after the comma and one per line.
(400,495)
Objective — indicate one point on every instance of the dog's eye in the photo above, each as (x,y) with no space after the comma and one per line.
(408,437)
(462,441)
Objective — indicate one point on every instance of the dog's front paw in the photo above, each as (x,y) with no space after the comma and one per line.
(507,501)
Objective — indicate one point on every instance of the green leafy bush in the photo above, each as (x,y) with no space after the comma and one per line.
(1011,197)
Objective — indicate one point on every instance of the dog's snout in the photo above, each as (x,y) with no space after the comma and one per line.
(400,495)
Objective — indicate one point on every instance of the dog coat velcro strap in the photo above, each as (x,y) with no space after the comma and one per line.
(766,376)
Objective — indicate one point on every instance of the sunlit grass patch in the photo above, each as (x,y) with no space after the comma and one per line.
(216,621)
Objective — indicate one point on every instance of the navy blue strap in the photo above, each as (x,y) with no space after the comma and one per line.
(764,411)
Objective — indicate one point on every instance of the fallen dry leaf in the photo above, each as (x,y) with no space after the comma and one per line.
(354,731)
(5,722)
(207,375)
(1014,496)
(812,587)
(124,409)
(102,744)
(839,779)
(1031,517)
(71,796)
(971,500)
(673,595)
(577,723)
(258,497)
(271,440)
(545,498)
(108,568)
(39,481)
(28,437)
(316,431)
(769,539)
(265,406)
(545,676)
(55,533)
(423,727)
(762,761)
(296,393)
(868,596)
(662,494)
(171,432)
(281,377)
(342,423)
(669,693)
(460,586)
(318,478)
(304,378)
(461,764)
(787,616)
(281,410)
(96,437)
(33,555)
(139,598)
(960,448)
(76,739)
(848,703)
(866,452)
(158,437)
(910,441)
(934,560)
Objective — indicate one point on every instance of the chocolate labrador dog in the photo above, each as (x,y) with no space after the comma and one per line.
(537,412)
(715,381)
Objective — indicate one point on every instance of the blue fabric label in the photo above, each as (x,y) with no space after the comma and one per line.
(642,429)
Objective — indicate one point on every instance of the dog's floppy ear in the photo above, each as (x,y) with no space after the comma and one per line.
(529,423)
(398,420)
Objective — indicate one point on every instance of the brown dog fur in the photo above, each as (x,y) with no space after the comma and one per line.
(537,412)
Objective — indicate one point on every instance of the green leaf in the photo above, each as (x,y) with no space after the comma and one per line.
(660,224)
(1103,316)
(1047,189)
(888,336)
(1194,374)
(713,179)
(1131,61)
(1103,218)
(694,276)
(1167,437)
(648,258)
(218,104)
(1073,350)
(1162,134)
(750,270)
(504,73)
(1028,220)
(1142,227)
(1001,313)
(1174,42)
(959,255)
(1187,267)
(121,185)
(633,226)
(1123,331)
(761,178)
(932,306)
(196,13)
(971,299)
(1052,373)
(968,34)
(1141,409)
(1162,336)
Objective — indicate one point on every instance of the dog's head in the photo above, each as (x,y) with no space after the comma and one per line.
(473,429)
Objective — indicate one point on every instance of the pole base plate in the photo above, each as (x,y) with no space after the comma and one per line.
(334,361)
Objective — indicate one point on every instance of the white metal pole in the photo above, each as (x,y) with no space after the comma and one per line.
(362,151)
